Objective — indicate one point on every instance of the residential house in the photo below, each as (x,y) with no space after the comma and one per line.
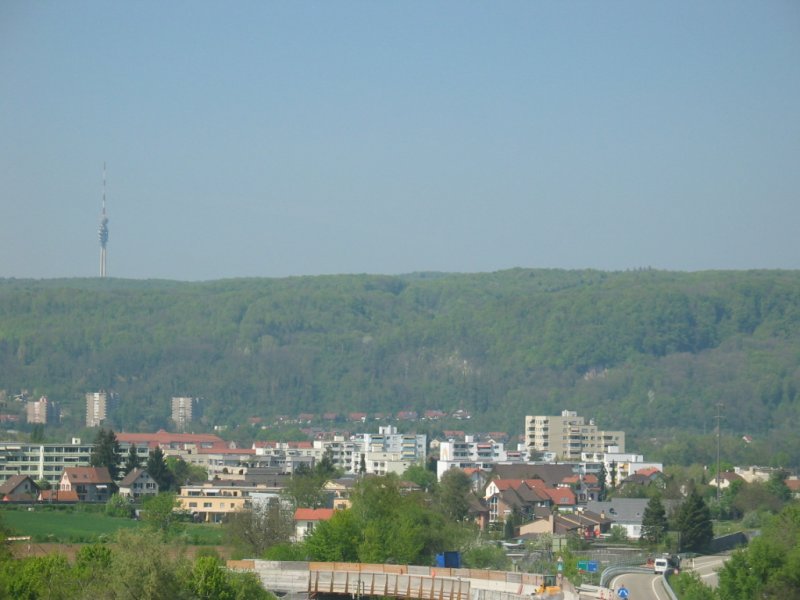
(726,478)
(519,497)
(138,484)
(585,523)
(625,512)
(340,490)
(551,474)
(305,519)
(19,488)
(478,478)
(211,501)
(751,474)
(91,484)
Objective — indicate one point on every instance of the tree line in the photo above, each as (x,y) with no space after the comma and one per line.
(646,350)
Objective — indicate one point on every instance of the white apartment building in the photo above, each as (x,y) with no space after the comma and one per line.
(470,454)
(626,464)
(42,461)
(384,452)
(568,436)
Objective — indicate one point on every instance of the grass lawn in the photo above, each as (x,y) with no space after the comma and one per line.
(85,526)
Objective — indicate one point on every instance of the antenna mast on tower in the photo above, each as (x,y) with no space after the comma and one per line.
(103,231)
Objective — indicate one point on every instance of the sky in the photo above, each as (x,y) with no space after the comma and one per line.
(275,139)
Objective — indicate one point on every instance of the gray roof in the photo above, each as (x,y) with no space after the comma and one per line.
(621,510)
(131,477)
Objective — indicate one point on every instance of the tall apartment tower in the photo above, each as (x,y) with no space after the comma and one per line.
(568,436)
(41,411)
(98,407)
(184,411)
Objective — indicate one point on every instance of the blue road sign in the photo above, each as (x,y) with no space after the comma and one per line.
(622,592)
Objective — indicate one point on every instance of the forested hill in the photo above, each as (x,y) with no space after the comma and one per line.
(640,350)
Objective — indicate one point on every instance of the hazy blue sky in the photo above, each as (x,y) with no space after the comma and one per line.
(303,138)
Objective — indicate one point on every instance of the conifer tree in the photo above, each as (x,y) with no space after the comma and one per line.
(654,522)
(694,523)
(132,461)
(157,469)
(106,452)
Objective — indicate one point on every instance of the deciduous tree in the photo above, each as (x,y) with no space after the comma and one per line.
(265,525)
(159,514)
(454,491)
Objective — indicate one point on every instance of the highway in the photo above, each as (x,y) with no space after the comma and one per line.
(641,586)
(649,586)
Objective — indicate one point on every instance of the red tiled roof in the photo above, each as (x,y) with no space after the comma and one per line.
(313,514)
(58,496)
(472,470)
(454,433)
(165,438)
(648,471)
(94,475)
(563,496)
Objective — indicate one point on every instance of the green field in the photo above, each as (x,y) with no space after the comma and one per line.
(84,526)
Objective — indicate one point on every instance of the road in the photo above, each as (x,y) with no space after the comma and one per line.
(642,586)
(706,567)
(647,586)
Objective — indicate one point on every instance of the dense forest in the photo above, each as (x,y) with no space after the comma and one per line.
(645,351)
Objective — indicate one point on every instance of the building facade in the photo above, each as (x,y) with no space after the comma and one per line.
(98,408)
(184,411)
(42,461)
(41,411)
(568,436)
(379,454)
(471,454)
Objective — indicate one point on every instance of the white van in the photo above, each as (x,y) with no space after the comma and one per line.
(660,566)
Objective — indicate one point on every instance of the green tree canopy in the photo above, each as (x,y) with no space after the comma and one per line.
(454,493)
(654,522)
(106,452)
(266,525)
(382,525)
(305,487)
(159,514)
(769,567)
(158,470)
(132,460)
(693,522)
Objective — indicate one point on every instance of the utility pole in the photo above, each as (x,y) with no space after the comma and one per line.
(719,407)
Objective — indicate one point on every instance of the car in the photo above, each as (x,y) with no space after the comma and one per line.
(660,566)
